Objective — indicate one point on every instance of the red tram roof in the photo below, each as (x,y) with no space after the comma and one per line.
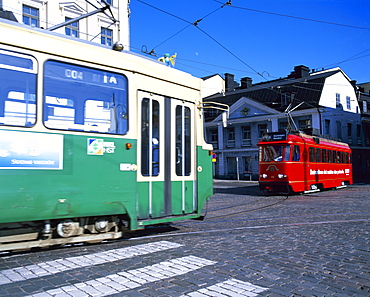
(299,137)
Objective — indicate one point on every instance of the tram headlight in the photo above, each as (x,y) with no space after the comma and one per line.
(264,175)
(281,175)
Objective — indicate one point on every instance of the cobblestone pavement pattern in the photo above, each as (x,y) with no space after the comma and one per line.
(248,245)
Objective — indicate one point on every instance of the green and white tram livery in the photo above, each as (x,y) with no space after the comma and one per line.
(94,142)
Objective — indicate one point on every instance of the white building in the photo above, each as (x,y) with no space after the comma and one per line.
(213,84)
(104,28)
(323,102)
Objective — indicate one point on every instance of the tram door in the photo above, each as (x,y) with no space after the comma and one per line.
(166,154)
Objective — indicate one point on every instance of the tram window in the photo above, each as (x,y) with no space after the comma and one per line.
(324,159)
(183,140)
(339,157)
(276,153)
(318,155)
(330,157)
(287,153)
(345,158)
(17,89)
(150,142)
(296,153)
(312,154)
(84,99)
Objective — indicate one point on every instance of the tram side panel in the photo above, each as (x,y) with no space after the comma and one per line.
(86,185)
(303,163)
(67,152)
(329,165)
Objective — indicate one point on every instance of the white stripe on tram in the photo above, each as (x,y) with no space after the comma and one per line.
(52,267)
(131,279)
(232,287)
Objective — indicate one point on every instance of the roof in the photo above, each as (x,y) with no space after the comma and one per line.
(209,76)
(279,93)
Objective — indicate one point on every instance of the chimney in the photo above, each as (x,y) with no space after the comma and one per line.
(229,82)
(4,14)
(299,71)
(245,82)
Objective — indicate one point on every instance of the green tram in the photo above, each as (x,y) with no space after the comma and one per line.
(93,141)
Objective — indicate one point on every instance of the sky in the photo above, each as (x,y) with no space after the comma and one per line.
(261,39)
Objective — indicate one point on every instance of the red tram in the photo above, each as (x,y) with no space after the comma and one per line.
(296,162)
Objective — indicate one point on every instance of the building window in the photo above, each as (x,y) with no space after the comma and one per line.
(232,166)
(303,124)
(327,127)
(247,164)
(246,135)
(364,106)
(72,29)
(359,135)
(348,100)
(106,36)
(214,138)
(230,137)
(30,16)
(349,132)
(367,135)
(214,135)
(283,126)
(339,130)
(337,100)
(262,129)
(285,98)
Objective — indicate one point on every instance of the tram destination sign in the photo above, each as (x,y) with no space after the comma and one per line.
(274,136)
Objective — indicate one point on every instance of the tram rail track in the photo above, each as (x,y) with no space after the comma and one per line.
(286,225)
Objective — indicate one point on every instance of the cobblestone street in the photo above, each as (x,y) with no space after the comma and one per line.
(247,245)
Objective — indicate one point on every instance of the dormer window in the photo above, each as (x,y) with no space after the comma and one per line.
(337,100)
(348,101)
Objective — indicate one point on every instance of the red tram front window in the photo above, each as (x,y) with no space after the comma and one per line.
(296,153)
(276,153)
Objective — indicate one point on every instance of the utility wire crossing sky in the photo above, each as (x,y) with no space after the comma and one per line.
(262,39)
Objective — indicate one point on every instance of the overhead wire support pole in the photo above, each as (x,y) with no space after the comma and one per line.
(77,19)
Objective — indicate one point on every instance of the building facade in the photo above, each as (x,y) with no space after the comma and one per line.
(323,103)
(104,28)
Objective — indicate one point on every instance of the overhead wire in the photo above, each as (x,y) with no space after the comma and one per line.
(312,20)
(195,23)
(355,57)
(297,17)
(228,3)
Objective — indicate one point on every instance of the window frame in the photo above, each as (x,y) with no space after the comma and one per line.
(108,39)
(72,28)
(29,16)
(67,75)
(26,66)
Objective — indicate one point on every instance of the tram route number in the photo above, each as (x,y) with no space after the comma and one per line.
(74,74)
(79,75)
